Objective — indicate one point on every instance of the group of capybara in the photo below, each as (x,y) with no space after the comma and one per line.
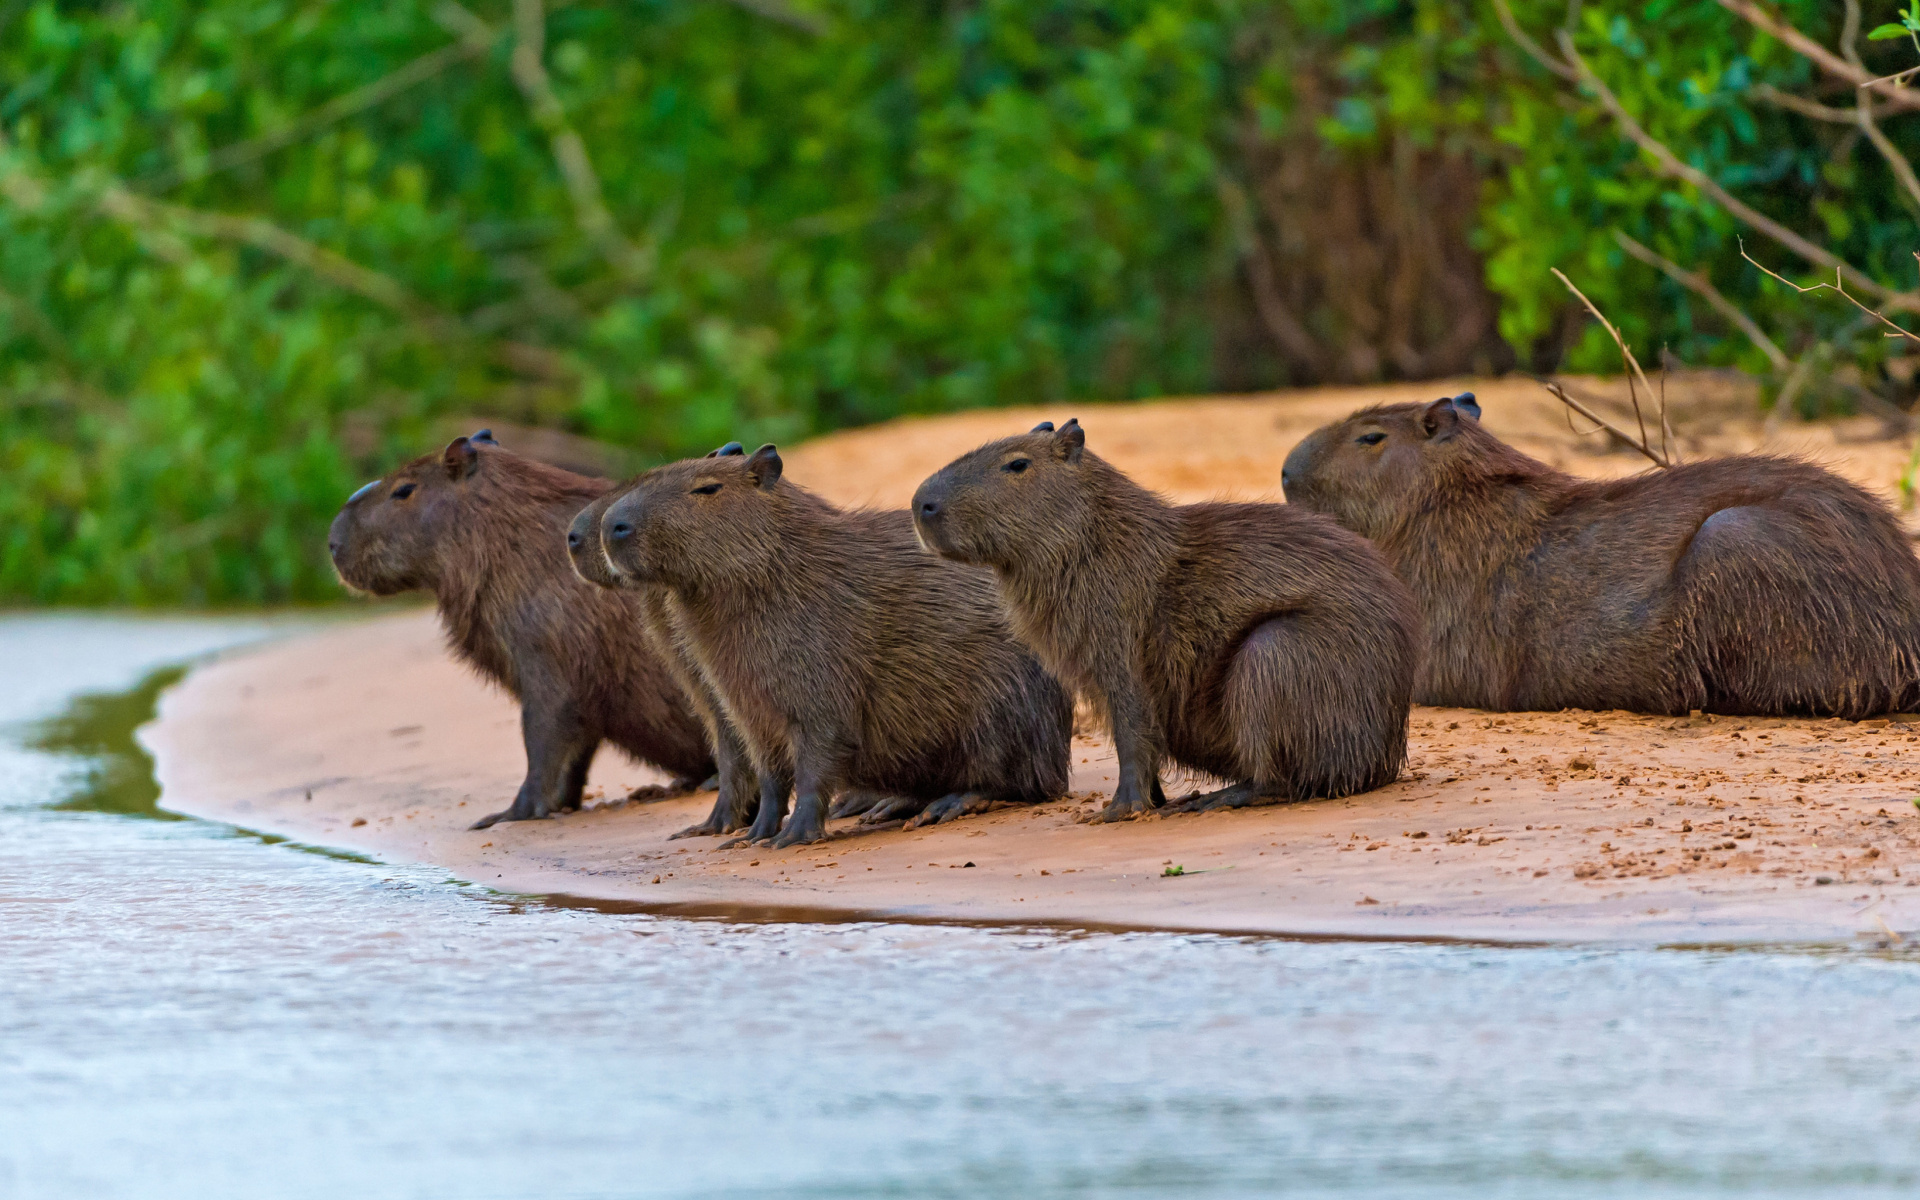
(715,619)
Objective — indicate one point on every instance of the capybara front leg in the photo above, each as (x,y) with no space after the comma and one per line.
(738,796)
(1136,743)
(559,753)
(774,788)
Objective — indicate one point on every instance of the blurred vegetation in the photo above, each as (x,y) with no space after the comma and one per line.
(252,253)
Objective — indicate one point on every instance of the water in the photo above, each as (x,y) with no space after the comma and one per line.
(187,1010)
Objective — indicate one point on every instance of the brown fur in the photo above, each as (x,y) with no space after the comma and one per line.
(1260,644)
(1744,585)
(844,656)
(739,789)
(484,531)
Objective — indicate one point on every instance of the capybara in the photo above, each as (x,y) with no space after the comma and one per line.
(735,804)
(1747,585)
(845,657)
(484,530)
(1258,643)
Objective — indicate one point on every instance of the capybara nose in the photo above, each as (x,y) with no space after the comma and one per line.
(929,509)
(1287,479)
(620,531)
(574,539)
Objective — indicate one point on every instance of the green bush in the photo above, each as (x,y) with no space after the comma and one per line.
(251,253)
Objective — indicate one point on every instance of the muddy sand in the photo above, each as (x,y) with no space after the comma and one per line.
(1570,826)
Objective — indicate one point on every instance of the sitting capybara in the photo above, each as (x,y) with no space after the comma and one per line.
(845,657)
(1746,585)
(485,531)
(1260,644)
(734,806)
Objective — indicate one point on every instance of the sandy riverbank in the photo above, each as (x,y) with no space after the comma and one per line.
(1562,826)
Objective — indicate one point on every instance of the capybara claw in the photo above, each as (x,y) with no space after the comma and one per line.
(703,829)
(488,822)
(893,808)
(855,803)
(947,808)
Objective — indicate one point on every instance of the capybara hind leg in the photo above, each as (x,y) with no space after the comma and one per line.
(1239,795)
(673,789)
(1305,718)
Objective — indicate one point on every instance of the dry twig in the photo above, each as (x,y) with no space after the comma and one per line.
(1633,373)
(1698,283)
(1559,393)
(1839,288)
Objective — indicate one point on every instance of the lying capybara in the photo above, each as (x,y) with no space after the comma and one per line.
(485,531)
(1746,585)
(845,657)
(1260,644)
(734,806)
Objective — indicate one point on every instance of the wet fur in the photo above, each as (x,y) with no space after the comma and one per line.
(1263,645)
(846,658)
(1744,585)
(484,530)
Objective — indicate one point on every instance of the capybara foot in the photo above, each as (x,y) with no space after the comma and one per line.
(1118,809)
(854,803)
(801,829)
(893,808)
(685,785)
(1239,795)
(947,808)
(706,828)
(509,814)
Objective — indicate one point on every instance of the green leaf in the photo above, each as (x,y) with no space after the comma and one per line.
(1882,33)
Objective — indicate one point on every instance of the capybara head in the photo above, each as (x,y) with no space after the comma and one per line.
(700,521)
(389,536)
(1002,501)
(584,547)
(1365,469)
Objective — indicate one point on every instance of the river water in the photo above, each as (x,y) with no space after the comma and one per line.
(190,1010)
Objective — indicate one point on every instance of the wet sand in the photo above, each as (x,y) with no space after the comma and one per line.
(1568,826)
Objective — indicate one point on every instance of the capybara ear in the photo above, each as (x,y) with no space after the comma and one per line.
(1071,440)
(1440,420)
(484,437)
(1467,404)
(727,451)
(1042,427)
(461,458)
(765,466)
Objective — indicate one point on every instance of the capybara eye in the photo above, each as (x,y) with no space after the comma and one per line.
(1371,439)
(1017,465)
(706,489)
(403,491)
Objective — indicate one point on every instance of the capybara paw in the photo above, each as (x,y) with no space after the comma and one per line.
(505,814)
(802,835)
(946,808)
(1125,810)
(1239,795)
(893,808)
(854,803)
(703,829)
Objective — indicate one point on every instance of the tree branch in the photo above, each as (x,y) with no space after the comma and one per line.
(1634,372)
(632,263)
(1671,165)
(1698,283)
(1560,394)
(1839,288)
(1805,107)
(1886,88)
(1534,49)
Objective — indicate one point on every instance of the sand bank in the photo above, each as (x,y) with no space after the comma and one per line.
(1558,826)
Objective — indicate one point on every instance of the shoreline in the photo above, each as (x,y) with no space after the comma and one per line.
(1569,827)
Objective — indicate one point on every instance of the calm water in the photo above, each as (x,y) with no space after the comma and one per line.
(187,1010)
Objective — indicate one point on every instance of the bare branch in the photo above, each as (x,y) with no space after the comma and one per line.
(1534,49)
(1284,327)
(1671,165)
(1805,107)
(1626,355)
(1838,287)
(1887,88)
(335,110)
(1698,283)
(632,263)
(1559,393)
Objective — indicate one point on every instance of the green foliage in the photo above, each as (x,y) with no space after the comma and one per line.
(230,289)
